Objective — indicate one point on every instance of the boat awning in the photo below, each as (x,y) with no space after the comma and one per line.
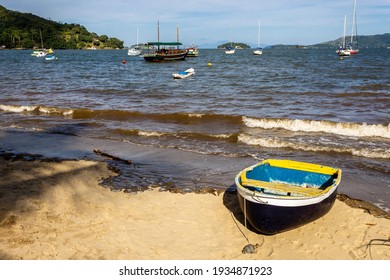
(165,43)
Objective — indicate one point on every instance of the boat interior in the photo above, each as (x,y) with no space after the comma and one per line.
(301,180)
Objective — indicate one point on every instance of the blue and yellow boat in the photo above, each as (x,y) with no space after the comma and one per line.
(279,195)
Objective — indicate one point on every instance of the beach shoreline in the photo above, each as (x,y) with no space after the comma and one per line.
(56,209)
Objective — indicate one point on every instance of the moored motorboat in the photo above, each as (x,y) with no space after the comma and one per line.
(192,52)
(184,74)
(279,195)
(51,57)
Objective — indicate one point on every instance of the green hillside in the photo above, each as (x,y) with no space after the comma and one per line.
(367,41)
(364,41)
(23,30)
(235,45)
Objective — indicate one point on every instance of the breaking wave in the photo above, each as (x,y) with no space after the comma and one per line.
(182,135)
(120,115)
(36,109)
(345,129)
(280,143)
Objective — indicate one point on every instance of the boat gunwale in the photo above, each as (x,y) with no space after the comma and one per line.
(284,200)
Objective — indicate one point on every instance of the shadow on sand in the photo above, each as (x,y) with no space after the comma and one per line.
(230,201)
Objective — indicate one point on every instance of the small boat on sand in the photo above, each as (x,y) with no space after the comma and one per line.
(279,195)
(184,74)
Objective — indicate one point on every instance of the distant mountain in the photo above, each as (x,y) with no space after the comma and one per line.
(367,41)
(364,41)
(25,30)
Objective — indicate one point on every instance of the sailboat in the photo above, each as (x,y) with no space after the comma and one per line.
(42,52)
(343,51)
(230,49)
(135,50)
(350,46)
(259,50)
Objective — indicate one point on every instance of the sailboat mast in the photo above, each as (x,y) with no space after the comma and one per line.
(345,24)
(137,36)
(158,35)
(258,36)
(353,21)
(177,35)
(40,33)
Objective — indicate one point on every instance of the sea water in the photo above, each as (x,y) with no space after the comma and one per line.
(299,104)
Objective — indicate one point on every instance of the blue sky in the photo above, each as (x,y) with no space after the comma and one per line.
(207,23)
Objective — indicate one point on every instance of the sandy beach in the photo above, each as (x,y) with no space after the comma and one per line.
(56,210)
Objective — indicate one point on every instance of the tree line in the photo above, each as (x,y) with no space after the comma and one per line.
(25,30)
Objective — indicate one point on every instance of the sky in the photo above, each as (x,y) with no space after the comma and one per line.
(208,23)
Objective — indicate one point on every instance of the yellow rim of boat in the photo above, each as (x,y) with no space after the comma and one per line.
(296,165)
(303,166)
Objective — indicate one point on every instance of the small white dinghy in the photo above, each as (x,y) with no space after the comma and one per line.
(184,74)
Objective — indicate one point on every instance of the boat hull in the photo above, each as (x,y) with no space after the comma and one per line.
(344,52)
(280,195)
(184,74)
(134,52)
(353,51)
(192,52)
(162,57)
(272,219)
(50,57)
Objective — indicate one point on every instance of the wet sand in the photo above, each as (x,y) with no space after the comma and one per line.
(56,209)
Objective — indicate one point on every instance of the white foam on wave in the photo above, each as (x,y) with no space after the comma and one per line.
(17,108)
(40,109)
(271,142)
(345,129)
(150,133)
(193,115)
(55,111)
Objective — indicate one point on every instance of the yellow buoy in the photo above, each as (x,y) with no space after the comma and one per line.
(209,64)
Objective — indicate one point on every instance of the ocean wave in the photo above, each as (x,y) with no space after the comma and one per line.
(17,108)
(124,115)
(177,118)
(345,129)
(36,109)
(272,142)
(183,135)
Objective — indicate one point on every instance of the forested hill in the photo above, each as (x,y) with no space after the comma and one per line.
(23,30)
(365,41)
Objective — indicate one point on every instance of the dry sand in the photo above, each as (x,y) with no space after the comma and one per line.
(58,210)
